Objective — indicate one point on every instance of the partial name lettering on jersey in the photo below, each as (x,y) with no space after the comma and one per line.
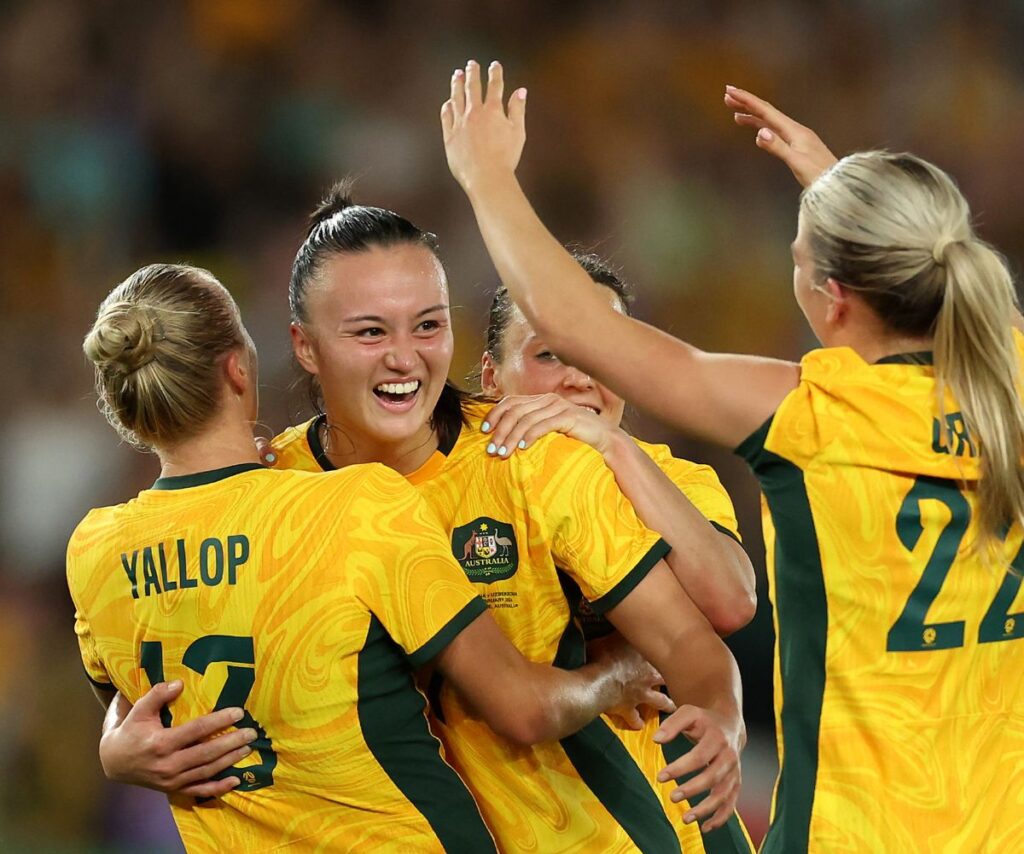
(486,549)
(954,439)
(163,567)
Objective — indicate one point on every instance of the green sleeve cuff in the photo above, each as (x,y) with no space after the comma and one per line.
(637,574)
(103,686)
(723,530)
(472,609)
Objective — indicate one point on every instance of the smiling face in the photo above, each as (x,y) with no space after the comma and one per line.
(378,338)
(527,366)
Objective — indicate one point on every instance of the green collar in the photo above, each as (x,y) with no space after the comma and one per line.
(201,478)
(924,357)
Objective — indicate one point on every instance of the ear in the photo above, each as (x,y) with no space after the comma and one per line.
(839,301)
(305,352)
(488,371)
(236,369)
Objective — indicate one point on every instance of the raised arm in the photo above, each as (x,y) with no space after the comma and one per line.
(721,398)
(799,147)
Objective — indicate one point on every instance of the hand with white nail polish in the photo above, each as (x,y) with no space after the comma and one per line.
(520,420)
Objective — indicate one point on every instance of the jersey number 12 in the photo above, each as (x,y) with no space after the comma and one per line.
(238,653)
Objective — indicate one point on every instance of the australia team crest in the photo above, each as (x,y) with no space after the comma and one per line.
(486,549)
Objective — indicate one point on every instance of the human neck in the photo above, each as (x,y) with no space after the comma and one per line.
(875,342)
(344,448)
(224,443)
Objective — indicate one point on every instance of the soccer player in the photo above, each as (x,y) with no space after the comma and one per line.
(298,603)
(371,325)
(890,462)
(683,501)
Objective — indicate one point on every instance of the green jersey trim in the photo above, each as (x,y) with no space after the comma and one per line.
(103,686)
(801,610)
(924,357)
(202,478)
(472,609)
(394,727)
(605,765)
(637,574)
(723,530)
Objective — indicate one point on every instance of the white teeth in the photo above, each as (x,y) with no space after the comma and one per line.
(399,388)
(591,408)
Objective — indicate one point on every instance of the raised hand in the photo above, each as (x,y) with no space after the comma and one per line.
(480,138)
(137,748)
(715,755)
(519,421)
(799,147)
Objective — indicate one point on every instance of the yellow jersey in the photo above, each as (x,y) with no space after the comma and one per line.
(306,600)
(700,484)
(524,529)
(504,518)
(899,698)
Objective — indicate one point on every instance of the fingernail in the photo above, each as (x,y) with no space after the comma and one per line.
(174,685)
(237,715)
(250,734)
(765,134)
(521,94)
(663,777)
(491,448)
(522,444)
(458,72)
(729,87)
(271,458)
(493,63)
(245,751)
(659,737)
(485,427)
(502,451)
(471,64)
(689,818)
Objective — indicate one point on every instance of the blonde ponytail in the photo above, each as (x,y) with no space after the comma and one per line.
(976,357)
(895,229)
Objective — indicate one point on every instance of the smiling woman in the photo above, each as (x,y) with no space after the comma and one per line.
(371,327)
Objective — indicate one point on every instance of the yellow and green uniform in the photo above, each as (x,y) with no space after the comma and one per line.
(307,600)
(536,534)
(899,698)
(700,484)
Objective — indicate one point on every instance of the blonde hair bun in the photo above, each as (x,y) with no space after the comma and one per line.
(124,338)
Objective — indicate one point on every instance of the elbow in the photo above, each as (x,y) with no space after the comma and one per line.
(739,612)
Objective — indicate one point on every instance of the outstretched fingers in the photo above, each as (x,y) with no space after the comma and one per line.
(495,85)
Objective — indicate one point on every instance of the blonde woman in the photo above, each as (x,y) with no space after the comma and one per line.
(890,461)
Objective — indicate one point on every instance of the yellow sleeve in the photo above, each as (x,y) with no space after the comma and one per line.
(418,591)
(95,671)
(595,534)
(700,484)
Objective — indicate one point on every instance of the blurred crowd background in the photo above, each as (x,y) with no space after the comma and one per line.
(204,131)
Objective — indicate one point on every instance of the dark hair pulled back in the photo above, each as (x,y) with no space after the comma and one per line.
(339,226)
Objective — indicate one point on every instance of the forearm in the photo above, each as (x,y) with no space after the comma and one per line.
(660,620)
(564,701)
(542,278)
(712,569)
